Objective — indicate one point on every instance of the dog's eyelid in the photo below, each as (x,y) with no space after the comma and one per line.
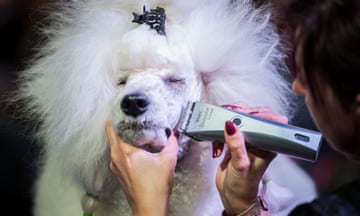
(175,79)
(122,81)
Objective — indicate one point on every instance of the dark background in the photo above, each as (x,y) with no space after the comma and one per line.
(19,152)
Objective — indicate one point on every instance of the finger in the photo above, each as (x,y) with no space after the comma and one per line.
(115,141)
(273,117)
(238,105)
(266,155)
(224,163)
(236,143)
(247,109)
(110,132)
(172,146)
(254,110)
(170,152)
(263,112)
(241,104)
(217,149)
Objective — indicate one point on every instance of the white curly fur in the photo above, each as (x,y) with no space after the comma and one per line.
(222,52)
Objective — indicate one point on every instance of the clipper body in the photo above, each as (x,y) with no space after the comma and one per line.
(205,122)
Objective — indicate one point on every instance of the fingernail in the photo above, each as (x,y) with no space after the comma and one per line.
(227,106)
(230,128)
(177,134)
(217,149)
(168,132)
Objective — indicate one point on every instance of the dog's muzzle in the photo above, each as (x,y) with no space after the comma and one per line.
(139,129)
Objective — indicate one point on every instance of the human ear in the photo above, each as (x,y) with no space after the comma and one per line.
(298,86)
(357,104)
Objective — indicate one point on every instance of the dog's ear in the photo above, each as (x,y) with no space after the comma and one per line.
(238,55)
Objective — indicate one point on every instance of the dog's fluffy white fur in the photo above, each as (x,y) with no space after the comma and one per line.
(216,51)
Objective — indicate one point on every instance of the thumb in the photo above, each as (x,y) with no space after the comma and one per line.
(171,149)
(110,132)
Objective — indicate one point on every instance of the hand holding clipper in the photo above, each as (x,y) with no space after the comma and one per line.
(204,121)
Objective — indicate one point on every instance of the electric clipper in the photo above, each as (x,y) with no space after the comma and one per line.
(205,122)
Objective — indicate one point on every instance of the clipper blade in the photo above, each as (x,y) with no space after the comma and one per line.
(185,116)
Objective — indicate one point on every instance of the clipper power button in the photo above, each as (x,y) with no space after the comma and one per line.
(237,121)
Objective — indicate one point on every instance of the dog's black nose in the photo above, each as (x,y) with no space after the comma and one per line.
(134,104)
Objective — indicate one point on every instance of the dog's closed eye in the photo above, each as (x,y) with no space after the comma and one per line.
(175,80)
(121,81)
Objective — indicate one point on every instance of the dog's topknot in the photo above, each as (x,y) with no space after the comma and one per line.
(155,18)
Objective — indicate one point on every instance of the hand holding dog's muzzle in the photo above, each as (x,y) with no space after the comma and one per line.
(145,177)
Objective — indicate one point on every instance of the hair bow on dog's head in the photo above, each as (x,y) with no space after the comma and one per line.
(155,18)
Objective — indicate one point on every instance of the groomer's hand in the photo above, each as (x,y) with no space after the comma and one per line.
(146,178)
(242,168)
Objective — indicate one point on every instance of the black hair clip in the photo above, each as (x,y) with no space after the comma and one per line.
(155,18)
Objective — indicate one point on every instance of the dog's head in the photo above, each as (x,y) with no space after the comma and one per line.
(155,82)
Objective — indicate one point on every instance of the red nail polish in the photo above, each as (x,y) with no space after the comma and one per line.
(227,106)
(230,128)
(177,134)
(217,149)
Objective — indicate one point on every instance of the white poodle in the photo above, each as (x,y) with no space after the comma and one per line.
(141,62)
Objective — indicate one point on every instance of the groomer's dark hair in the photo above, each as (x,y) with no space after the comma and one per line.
(327,33)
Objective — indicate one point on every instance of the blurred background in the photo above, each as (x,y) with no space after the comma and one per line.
(19,152)
(18,19)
